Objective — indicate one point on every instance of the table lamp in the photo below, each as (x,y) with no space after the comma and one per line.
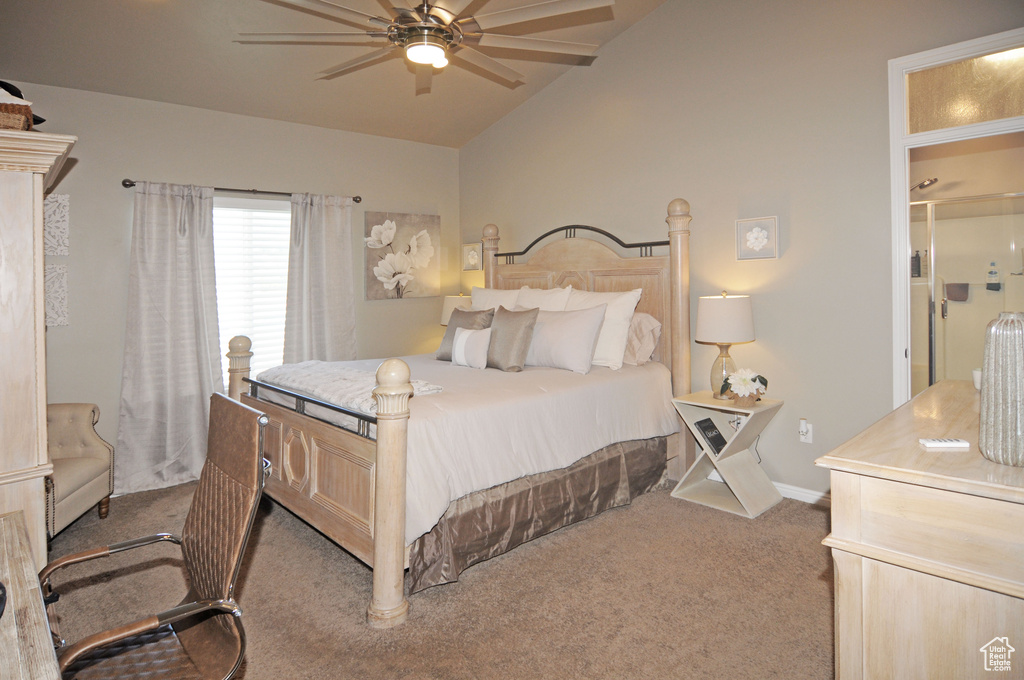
(723,320)
(451,303)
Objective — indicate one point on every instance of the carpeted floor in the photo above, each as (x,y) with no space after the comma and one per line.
(663,588)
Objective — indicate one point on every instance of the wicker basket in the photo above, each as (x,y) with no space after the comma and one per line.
(15,117)
(744,402)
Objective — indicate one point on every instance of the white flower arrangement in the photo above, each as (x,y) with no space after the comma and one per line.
(395,269)
(744,383)
(757,238)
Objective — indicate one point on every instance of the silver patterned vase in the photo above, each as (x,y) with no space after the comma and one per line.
(1001,438)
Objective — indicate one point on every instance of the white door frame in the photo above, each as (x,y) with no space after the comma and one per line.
(900,144)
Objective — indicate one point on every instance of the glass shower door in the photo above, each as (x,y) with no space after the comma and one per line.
(973,270)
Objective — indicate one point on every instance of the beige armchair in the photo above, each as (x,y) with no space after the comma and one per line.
(83,465)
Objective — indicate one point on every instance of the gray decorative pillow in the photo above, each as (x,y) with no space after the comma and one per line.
(511,333)
(462,318)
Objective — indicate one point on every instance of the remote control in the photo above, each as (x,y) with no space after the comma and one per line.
(945,443)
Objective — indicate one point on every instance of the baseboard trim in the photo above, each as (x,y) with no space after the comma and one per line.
(822,498)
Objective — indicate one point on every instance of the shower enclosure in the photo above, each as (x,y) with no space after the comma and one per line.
(955,289)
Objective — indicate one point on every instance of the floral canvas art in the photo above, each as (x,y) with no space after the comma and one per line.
(402,255)
(757,239)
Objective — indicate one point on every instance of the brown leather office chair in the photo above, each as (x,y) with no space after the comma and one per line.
(202,637)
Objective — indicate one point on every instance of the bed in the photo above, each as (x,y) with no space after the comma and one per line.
(345,473)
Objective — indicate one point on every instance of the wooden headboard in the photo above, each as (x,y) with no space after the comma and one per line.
(586,264)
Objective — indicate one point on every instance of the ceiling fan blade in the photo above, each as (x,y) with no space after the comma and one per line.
(424,78)
(541,10)
(515,42)
(453,7)
(342,69)
(317,38)
(337,11)
(407,13)
(480,60)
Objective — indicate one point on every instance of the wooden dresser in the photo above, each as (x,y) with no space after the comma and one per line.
(26,651)
(928,548)
(29,163)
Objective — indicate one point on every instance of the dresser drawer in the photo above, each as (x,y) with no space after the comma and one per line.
(967,538)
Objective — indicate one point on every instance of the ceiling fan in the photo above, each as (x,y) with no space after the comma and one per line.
(431,32)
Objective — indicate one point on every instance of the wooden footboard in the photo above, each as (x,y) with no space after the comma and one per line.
(324,474)
(348,486)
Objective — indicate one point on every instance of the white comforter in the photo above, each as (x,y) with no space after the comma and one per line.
(335,382)
(487,427)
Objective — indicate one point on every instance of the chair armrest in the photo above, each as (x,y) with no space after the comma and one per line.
(151,623)
(104,551)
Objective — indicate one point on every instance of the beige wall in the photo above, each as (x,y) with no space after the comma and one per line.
(121,137)
(746,110)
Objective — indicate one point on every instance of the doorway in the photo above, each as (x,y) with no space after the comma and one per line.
(904,142)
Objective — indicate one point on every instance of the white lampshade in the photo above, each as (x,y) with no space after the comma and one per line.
(724,319)
(452,302)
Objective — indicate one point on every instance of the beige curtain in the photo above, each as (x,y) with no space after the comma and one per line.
(171,359)
(320,320)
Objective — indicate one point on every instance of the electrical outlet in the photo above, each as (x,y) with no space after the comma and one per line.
(806,432)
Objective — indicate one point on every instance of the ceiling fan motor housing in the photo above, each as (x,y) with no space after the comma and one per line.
(427,38)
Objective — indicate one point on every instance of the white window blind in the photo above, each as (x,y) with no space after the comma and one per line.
(250,241)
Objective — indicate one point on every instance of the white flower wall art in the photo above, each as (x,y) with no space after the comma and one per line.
(56,217)
(757,238)
(402,255)
(55,290)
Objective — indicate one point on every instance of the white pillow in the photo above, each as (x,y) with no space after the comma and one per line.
(470,347)
(611,343)
(492,298)
(566,339)
(642,339)
(546,300)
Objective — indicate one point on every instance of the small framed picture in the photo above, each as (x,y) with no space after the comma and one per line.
(757,238)
(472,257)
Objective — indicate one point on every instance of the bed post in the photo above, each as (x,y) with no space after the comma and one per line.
(238,364)
(679,256)
(388,606)
(679,262)
(490,241)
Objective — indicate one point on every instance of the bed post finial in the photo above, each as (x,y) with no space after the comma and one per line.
(490,241)
(680,207)
(388,606)
(238,356)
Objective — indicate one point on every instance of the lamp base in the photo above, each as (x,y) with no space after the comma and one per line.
(720,371)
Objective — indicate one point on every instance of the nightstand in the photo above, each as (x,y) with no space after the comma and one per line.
(745,489)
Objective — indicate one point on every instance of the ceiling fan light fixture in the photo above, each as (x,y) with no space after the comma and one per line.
(427,49)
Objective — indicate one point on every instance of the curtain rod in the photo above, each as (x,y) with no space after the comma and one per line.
(129,183)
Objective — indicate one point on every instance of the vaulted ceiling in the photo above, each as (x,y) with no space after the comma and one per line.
(185,52)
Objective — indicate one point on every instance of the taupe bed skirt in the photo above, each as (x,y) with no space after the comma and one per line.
(490,522)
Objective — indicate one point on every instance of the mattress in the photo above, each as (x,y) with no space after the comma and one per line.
(487,427)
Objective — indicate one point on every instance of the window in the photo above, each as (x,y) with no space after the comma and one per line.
(250,243)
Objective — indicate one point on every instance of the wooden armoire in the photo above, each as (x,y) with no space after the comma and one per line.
(29,163)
